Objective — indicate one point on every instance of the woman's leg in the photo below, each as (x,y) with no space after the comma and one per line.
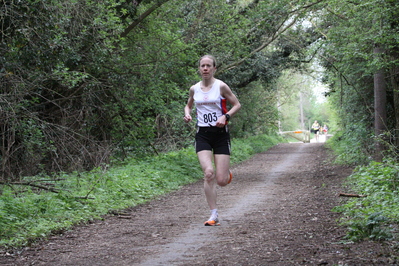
(222,163)
(205,159)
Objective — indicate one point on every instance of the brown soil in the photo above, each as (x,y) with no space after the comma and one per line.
(277,211)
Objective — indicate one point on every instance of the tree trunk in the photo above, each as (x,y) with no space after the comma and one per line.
(380,100)
(395,87)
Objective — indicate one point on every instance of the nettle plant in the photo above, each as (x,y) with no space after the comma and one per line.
(376,215)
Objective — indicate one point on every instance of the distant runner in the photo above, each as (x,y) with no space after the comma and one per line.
(315,129)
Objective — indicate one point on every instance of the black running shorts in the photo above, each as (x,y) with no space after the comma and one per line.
(213,139)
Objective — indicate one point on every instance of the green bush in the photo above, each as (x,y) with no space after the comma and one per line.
(349,148)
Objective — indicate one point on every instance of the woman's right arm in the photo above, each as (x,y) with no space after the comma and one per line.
(189,106)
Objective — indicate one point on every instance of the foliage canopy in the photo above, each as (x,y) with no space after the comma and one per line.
(86,81)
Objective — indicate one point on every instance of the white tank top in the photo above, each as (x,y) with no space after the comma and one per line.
(210,105)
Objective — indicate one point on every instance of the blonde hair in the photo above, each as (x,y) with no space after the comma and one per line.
(208,56)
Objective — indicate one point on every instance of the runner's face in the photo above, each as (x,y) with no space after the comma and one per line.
(206,68)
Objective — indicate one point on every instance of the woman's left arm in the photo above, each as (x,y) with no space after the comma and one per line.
(226,92)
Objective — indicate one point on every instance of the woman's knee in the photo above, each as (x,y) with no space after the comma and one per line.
(208,174)
(222,181)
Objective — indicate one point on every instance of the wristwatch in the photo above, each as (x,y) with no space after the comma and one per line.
(227,117)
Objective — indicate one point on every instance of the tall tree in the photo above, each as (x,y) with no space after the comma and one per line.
(353,64)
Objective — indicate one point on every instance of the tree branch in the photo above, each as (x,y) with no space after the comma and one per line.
(261,47)
(31,185)
(142,17)
(351,195)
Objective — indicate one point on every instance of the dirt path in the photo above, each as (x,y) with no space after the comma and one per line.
(275,212)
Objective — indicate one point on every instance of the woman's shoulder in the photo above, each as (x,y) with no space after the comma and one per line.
(196,85)
(222,84)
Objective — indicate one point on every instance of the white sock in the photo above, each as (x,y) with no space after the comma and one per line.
(214,213)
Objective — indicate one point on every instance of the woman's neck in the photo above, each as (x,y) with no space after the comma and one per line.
(206,84)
